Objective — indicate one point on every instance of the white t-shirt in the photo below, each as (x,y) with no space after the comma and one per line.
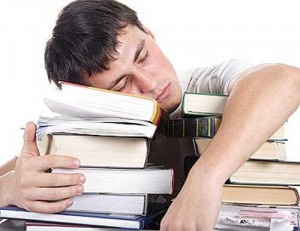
(213,79)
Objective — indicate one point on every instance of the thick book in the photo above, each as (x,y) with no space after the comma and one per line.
(260,172)
(268,172)
(94,126)
(98,151)
(129,204)
(271,150)
(150,180)
(96,219)
(83,101)
(195,104)
(260,194)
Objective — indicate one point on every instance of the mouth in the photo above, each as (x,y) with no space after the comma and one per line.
(164,94)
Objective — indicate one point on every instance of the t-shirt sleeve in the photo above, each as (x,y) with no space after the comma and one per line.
(217,78)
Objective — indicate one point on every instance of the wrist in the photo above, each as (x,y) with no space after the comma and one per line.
(6,187)
(208,172)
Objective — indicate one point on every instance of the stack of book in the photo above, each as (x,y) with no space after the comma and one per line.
(266,180)
(110,134)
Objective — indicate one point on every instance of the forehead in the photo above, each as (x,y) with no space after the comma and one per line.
(128,41)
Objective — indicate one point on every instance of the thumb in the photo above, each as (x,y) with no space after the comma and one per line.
(29,146)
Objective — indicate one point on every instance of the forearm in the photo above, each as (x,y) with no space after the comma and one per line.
(258,105)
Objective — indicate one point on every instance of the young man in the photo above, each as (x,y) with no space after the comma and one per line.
(101,43)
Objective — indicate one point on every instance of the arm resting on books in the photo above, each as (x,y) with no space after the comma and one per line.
(32,187)
(259,103)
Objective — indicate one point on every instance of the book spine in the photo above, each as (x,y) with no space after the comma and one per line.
(193,127)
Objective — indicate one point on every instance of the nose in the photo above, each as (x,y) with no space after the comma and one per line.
(146,83)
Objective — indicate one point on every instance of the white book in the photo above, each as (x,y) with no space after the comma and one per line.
(150,180)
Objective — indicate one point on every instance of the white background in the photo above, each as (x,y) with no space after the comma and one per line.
(191,32)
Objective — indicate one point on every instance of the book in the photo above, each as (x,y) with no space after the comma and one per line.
(47,226)
(273,150)
(268,172)
(130,204)
(192,127)
(94,126)
(135,204)
(260,194)
(150,180)
(93,219)
(260,172)
(203,104)
(238,218)
(203,126)
(98,151)
(83,101)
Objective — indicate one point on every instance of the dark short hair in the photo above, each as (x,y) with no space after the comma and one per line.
(84,39)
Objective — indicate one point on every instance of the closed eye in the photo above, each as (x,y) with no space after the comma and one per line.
(121,85)
(144,58)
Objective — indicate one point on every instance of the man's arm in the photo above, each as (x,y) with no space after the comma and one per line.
(259,103)
(29,185)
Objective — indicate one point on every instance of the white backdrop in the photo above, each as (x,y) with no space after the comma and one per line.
(191,32)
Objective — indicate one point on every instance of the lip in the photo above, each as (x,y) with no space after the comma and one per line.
(164,93)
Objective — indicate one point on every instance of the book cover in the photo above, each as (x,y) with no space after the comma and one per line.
(96,219)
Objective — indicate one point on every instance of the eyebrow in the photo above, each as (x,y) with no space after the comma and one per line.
(139,49)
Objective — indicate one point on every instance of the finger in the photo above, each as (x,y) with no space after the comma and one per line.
(48,207)
(56,180)
(45,162)
(29,147)
(54,194)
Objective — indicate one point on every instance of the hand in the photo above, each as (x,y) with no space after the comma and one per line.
(197,205)
(35,189)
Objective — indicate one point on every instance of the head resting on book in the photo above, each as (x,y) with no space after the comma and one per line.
(102,43)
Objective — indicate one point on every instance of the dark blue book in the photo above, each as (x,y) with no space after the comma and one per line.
(95,219)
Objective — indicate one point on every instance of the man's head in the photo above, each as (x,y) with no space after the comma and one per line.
(102,43)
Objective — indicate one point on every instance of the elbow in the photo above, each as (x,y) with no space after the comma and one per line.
(289,79)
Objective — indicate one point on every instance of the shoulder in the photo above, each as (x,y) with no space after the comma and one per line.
(214,78)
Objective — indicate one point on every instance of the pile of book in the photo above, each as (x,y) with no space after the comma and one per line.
(263,190)
(110,134)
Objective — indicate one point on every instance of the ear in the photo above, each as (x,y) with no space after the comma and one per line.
(149,32)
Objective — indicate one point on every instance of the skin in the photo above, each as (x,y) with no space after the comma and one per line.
(255,110)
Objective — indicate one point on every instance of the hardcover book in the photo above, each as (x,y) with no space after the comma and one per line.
(203,104)
(271,150)
(96,219)
(98,151)
(150,180)
(260,194)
